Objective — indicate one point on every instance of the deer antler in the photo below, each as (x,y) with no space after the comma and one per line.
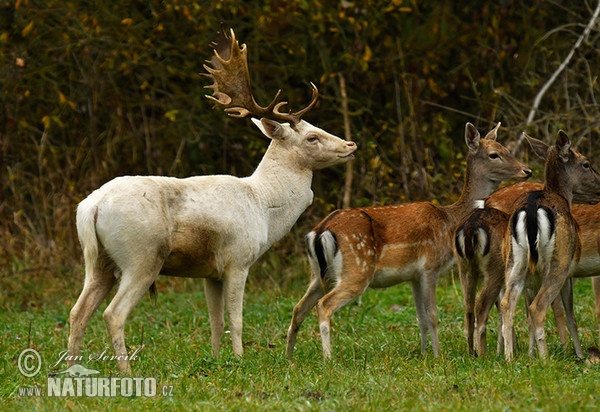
(231,87)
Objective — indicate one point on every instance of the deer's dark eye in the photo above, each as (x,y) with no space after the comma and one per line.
(312,138)
(494,156)
(586,165)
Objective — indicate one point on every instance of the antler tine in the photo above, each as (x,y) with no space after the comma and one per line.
(231,83)
(297,116)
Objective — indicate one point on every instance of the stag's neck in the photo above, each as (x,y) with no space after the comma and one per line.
(475,189)
(283,188)
(556,179)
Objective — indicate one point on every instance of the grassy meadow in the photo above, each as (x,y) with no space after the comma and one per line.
(377,362)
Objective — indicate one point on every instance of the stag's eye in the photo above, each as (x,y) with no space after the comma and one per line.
(312,138)
(586,165)
(494,156)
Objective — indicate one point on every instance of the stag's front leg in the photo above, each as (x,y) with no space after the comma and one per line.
(233,285)
(213,292)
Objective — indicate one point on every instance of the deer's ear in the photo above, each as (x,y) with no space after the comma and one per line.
(563,145)
(270,128)
(540,148)
(493,134)
(472,137)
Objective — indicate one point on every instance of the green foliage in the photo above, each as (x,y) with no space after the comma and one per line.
(93,90)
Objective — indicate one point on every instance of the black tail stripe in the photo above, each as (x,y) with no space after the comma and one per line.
(532,224)
(457,244)
(323,267)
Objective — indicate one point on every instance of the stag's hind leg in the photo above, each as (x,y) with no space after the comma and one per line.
(309,300)
(98,282)
(134,283)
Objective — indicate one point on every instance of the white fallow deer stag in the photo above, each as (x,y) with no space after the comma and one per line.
(378,247)
(479,256)
(542,244)
(135,228)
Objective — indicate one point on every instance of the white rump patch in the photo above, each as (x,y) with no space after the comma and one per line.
(460,240)
(545,239)
(520,231)
(312,256)
(482,241)
(520,246)
(333,257)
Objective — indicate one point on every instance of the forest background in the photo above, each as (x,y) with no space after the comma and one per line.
(91,90)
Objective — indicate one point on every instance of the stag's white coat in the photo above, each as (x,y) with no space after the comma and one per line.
(134,228)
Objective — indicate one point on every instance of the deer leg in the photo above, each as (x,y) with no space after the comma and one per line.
(468,282)
(529,297)
(596,287)
(561,322)
(133,285)
(486,299)
(97,285)
(213,292)
(515,281)
(432,316)
(302,308)
(421,313)
(233,286)
(567,300)
(548,292)
(331,303)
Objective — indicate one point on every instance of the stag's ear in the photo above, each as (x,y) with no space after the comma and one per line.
(270,128)
(540,148)
(472,137)
(563,145)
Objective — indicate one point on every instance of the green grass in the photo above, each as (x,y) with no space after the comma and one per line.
(377,362)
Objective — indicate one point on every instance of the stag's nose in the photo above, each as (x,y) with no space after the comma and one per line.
(350,144)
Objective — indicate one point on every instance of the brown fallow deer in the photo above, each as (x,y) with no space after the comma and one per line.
(478,250)
(135,228)
(377,247)
(542,245)
(479,257)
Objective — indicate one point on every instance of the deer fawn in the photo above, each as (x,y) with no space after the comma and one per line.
(542,244)
(212,227)
(378,247)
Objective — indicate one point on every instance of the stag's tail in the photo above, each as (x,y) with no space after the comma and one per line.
(87,214)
